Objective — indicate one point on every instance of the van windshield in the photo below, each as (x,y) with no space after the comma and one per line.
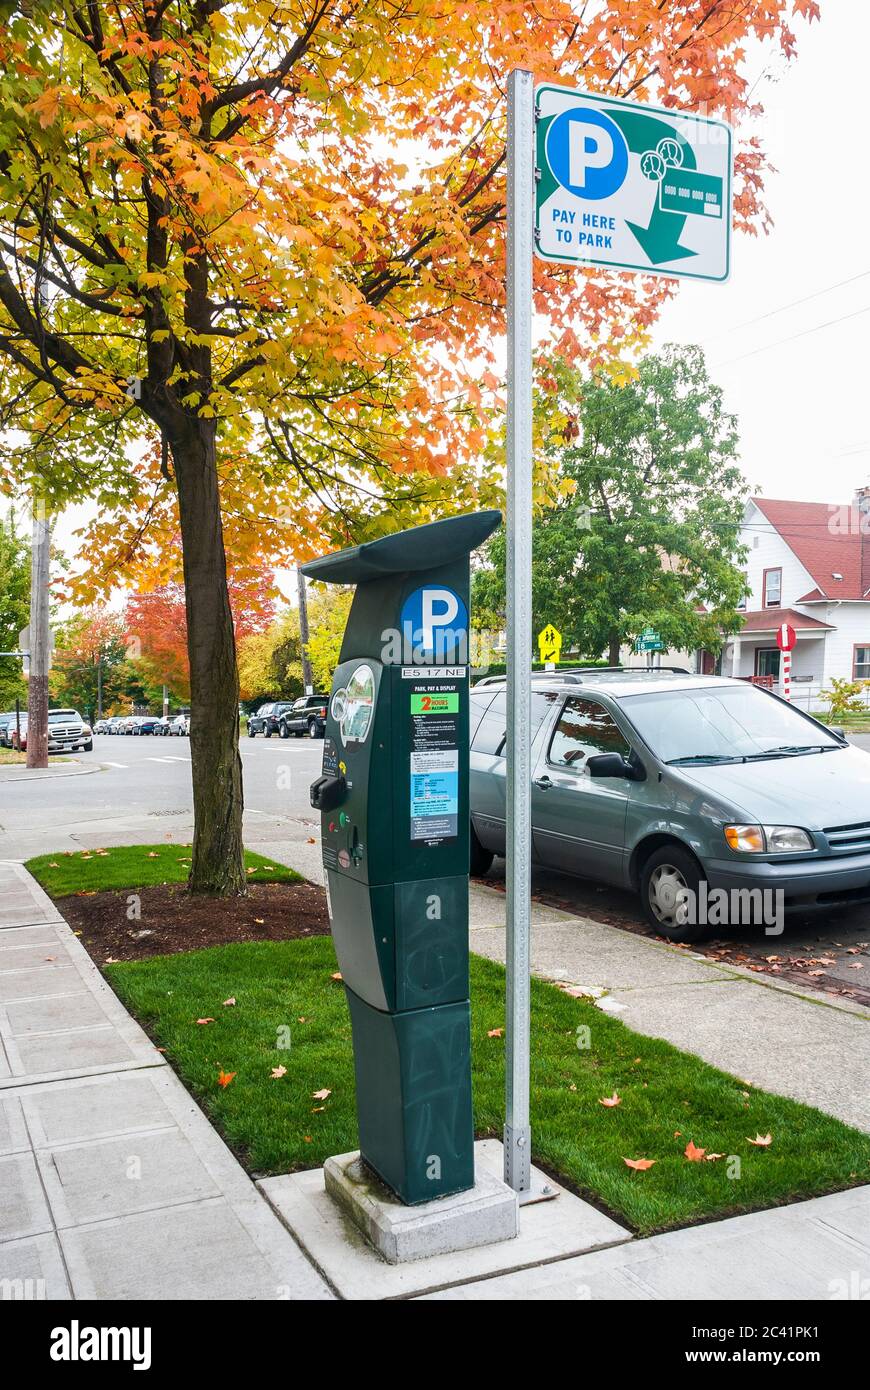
(728,723)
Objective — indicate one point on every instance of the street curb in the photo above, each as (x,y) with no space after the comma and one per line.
(39,774)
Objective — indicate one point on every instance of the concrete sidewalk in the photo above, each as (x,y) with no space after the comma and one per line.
(113,1184)
(816,1250)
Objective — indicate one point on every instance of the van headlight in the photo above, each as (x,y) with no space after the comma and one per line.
(767,839)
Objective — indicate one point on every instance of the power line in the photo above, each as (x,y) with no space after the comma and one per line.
(792,304)
(792,338)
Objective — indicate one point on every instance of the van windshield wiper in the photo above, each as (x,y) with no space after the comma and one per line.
(792,750)
(704,758)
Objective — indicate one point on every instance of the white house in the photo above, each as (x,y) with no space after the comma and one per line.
(808,566)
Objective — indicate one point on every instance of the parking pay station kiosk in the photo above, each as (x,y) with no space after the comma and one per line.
(394,819)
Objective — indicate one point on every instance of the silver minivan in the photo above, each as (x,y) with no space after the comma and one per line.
(676,786)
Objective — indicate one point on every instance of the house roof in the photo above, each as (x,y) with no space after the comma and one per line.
(769,619)
(806,527)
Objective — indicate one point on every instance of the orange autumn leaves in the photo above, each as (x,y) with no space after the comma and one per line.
(692,1152)
(337,175)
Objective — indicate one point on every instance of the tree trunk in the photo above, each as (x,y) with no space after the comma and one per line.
(218,860)
(613,653)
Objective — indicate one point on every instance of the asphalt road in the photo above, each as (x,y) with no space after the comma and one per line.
(141,790)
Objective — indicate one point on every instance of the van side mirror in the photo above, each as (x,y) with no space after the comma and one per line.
(610,765)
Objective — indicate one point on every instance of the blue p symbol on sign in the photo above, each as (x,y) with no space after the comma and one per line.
(435,622)
(587,153)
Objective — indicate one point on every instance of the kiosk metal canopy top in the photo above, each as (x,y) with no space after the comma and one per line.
(631,186)
(419,548)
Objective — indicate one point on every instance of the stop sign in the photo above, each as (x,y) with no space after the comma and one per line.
(786,637)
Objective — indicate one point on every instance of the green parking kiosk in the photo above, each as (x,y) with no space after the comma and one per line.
(393,802)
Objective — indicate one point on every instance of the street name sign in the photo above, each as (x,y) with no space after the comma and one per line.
(649,641)
(631,186)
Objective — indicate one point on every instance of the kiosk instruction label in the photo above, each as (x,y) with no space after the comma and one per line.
(434,761)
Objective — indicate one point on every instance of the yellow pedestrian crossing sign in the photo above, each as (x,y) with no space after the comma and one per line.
(550,643)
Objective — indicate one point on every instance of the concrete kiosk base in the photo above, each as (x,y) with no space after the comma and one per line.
(486,1213)
(334,1242)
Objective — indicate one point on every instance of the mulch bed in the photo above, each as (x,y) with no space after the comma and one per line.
(171,920)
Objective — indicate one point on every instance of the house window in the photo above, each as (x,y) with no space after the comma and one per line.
(741,602)
(861,664)
(772,588)
(767,663)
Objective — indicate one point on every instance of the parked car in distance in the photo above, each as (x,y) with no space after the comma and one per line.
(678,785)
(180,725)
(7,724)
(306,715)
(101,726)
(163,724)
(67,733)
(113,725)
(265,721)
(146,724)
(127,724)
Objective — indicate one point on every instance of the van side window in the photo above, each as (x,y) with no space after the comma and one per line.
(584,728)
(491,735)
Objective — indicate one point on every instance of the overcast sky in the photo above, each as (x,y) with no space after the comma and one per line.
(800,390)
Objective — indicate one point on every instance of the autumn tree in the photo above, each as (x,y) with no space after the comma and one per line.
(156,635)
(251,268)
(90,670)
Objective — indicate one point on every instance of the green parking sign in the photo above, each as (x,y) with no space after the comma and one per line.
(631,186)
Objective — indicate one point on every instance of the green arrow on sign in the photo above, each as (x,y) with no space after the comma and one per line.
(660,241)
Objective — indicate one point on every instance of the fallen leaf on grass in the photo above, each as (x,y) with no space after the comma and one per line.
(307,1138)
(693,1153)
(152,854)
(610,1101)
(336,975)
(321,1095)
(639,1165)
(761,1141)
(495,1033)
(205,1020)
(230,1001)
(316,1109)
(678,1134)
(225,1078)
(711,1158)
(54,866)
(278,1072)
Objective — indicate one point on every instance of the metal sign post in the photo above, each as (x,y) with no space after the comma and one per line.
(520,216)
(598,181)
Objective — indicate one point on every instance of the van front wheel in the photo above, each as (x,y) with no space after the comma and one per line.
(669,883)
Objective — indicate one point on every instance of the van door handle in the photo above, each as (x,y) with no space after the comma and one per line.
(543,782)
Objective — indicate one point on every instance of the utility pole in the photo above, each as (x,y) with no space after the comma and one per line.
(307,678)
(40,639)
(99,686)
